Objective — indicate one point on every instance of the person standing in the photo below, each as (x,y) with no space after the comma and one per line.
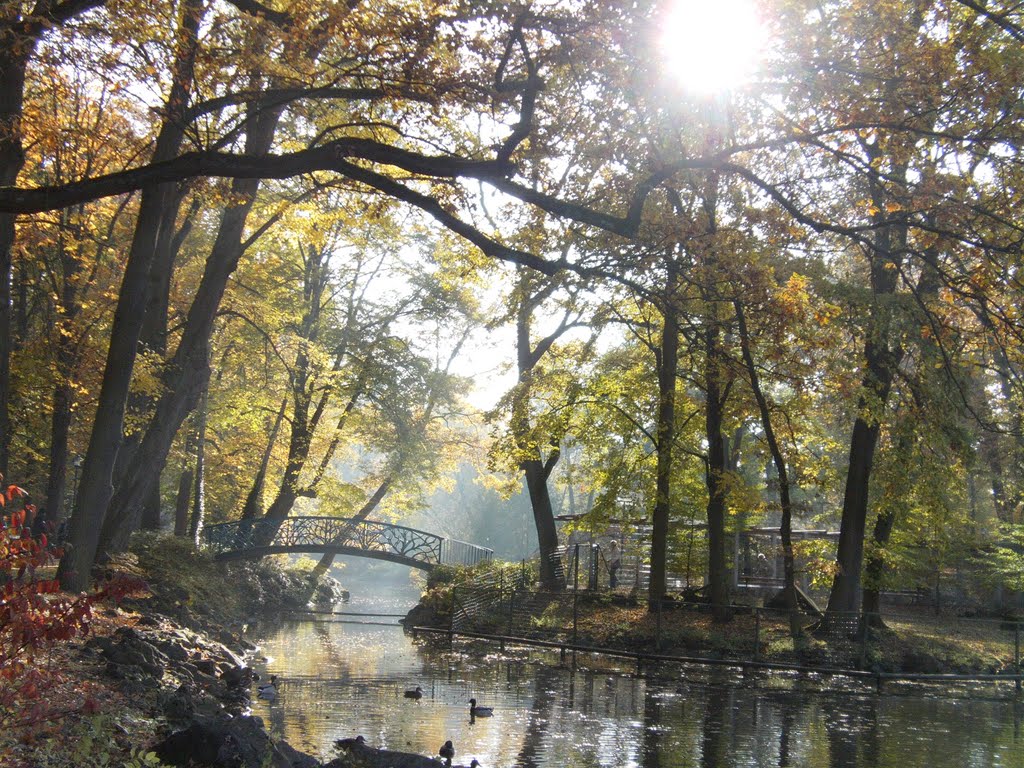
(614,561)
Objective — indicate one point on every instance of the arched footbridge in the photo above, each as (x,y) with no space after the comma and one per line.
(248,539)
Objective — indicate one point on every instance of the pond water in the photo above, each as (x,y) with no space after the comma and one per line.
(338,680)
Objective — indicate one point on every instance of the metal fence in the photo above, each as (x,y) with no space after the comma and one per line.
(898,646)
(454,552)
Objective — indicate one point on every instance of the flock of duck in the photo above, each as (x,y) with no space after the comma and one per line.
(268,692)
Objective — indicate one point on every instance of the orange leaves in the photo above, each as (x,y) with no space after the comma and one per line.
(13,492)
(793,296)
(47,587)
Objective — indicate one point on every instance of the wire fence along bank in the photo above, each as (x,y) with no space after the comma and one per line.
(907,646)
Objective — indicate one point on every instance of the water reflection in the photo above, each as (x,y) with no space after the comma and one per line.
(787,717)
(339,680)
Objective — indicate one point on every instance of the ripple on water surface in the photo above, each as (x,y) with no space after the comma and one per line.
(339,680)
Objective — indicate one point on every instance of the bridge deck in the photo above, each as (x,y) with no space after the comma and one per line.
(343,536)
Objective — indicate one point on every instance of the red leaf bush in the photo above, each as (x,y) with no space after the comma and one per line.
(35,616)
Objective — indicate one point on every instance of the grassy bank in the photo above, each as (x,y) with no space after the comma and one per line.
(499,601)
(192,588)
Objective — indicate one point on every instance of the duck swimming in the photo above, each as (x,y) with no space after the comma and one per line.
(475,711)
(268,690)
(414,693)
(447,751)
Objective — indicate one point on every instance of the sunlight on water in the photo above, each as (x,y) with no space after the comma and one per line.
(339,680)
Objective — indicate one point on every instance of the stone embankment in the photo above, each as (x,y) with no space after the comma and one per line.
(201,687)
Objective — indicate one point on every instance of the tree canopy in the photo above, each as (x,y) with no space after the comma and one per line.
(250,244)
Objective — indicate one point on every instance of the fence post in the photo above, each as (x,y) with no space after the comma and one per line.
(1016,653)
(575,593)
(511,611)
(657,628)
(863,641)
(451,616)
(592,573)
(757,633)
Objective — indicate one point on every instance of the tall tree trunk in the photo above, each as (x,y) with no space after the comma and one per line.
(188,371)
(667,362)
(875,568)
(991,453)
(14,56)
(298,453)
(152,339)
(781,468)
(63,396)
(716,391)
(882,355)
(303,423)
(843,598)
(154,330)
(97,472)
(185,482)
(928,288)
(718,568)
(60,426)
(535,467)
(1010,498)
(299,443)
(253,507)
(536,475)
(198,520)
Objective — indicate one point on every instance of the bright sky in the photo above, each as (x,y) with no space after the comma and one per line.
(712,46)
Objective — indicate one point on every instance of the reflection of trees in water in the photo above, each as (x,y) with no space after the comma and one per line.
(716,728)
(552,717)
(870,742)
(593,707)
(277,716)
(650,747)
(309,649)
(328,650)
(786,720)
(849,729)
(1018,718)
(534,738)
(788,713)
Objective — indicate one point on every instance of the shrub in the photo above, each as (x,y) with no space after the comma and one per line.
(35,616)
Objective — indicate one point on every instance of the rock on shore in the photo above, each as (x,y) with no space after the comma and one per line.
(203,690)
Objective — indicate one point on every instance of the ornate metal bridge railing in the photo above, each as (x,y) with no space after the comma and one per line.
(368,538)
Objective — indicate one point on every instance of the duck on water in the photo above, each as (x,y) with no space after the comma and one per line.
(477,711)
(268,690)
